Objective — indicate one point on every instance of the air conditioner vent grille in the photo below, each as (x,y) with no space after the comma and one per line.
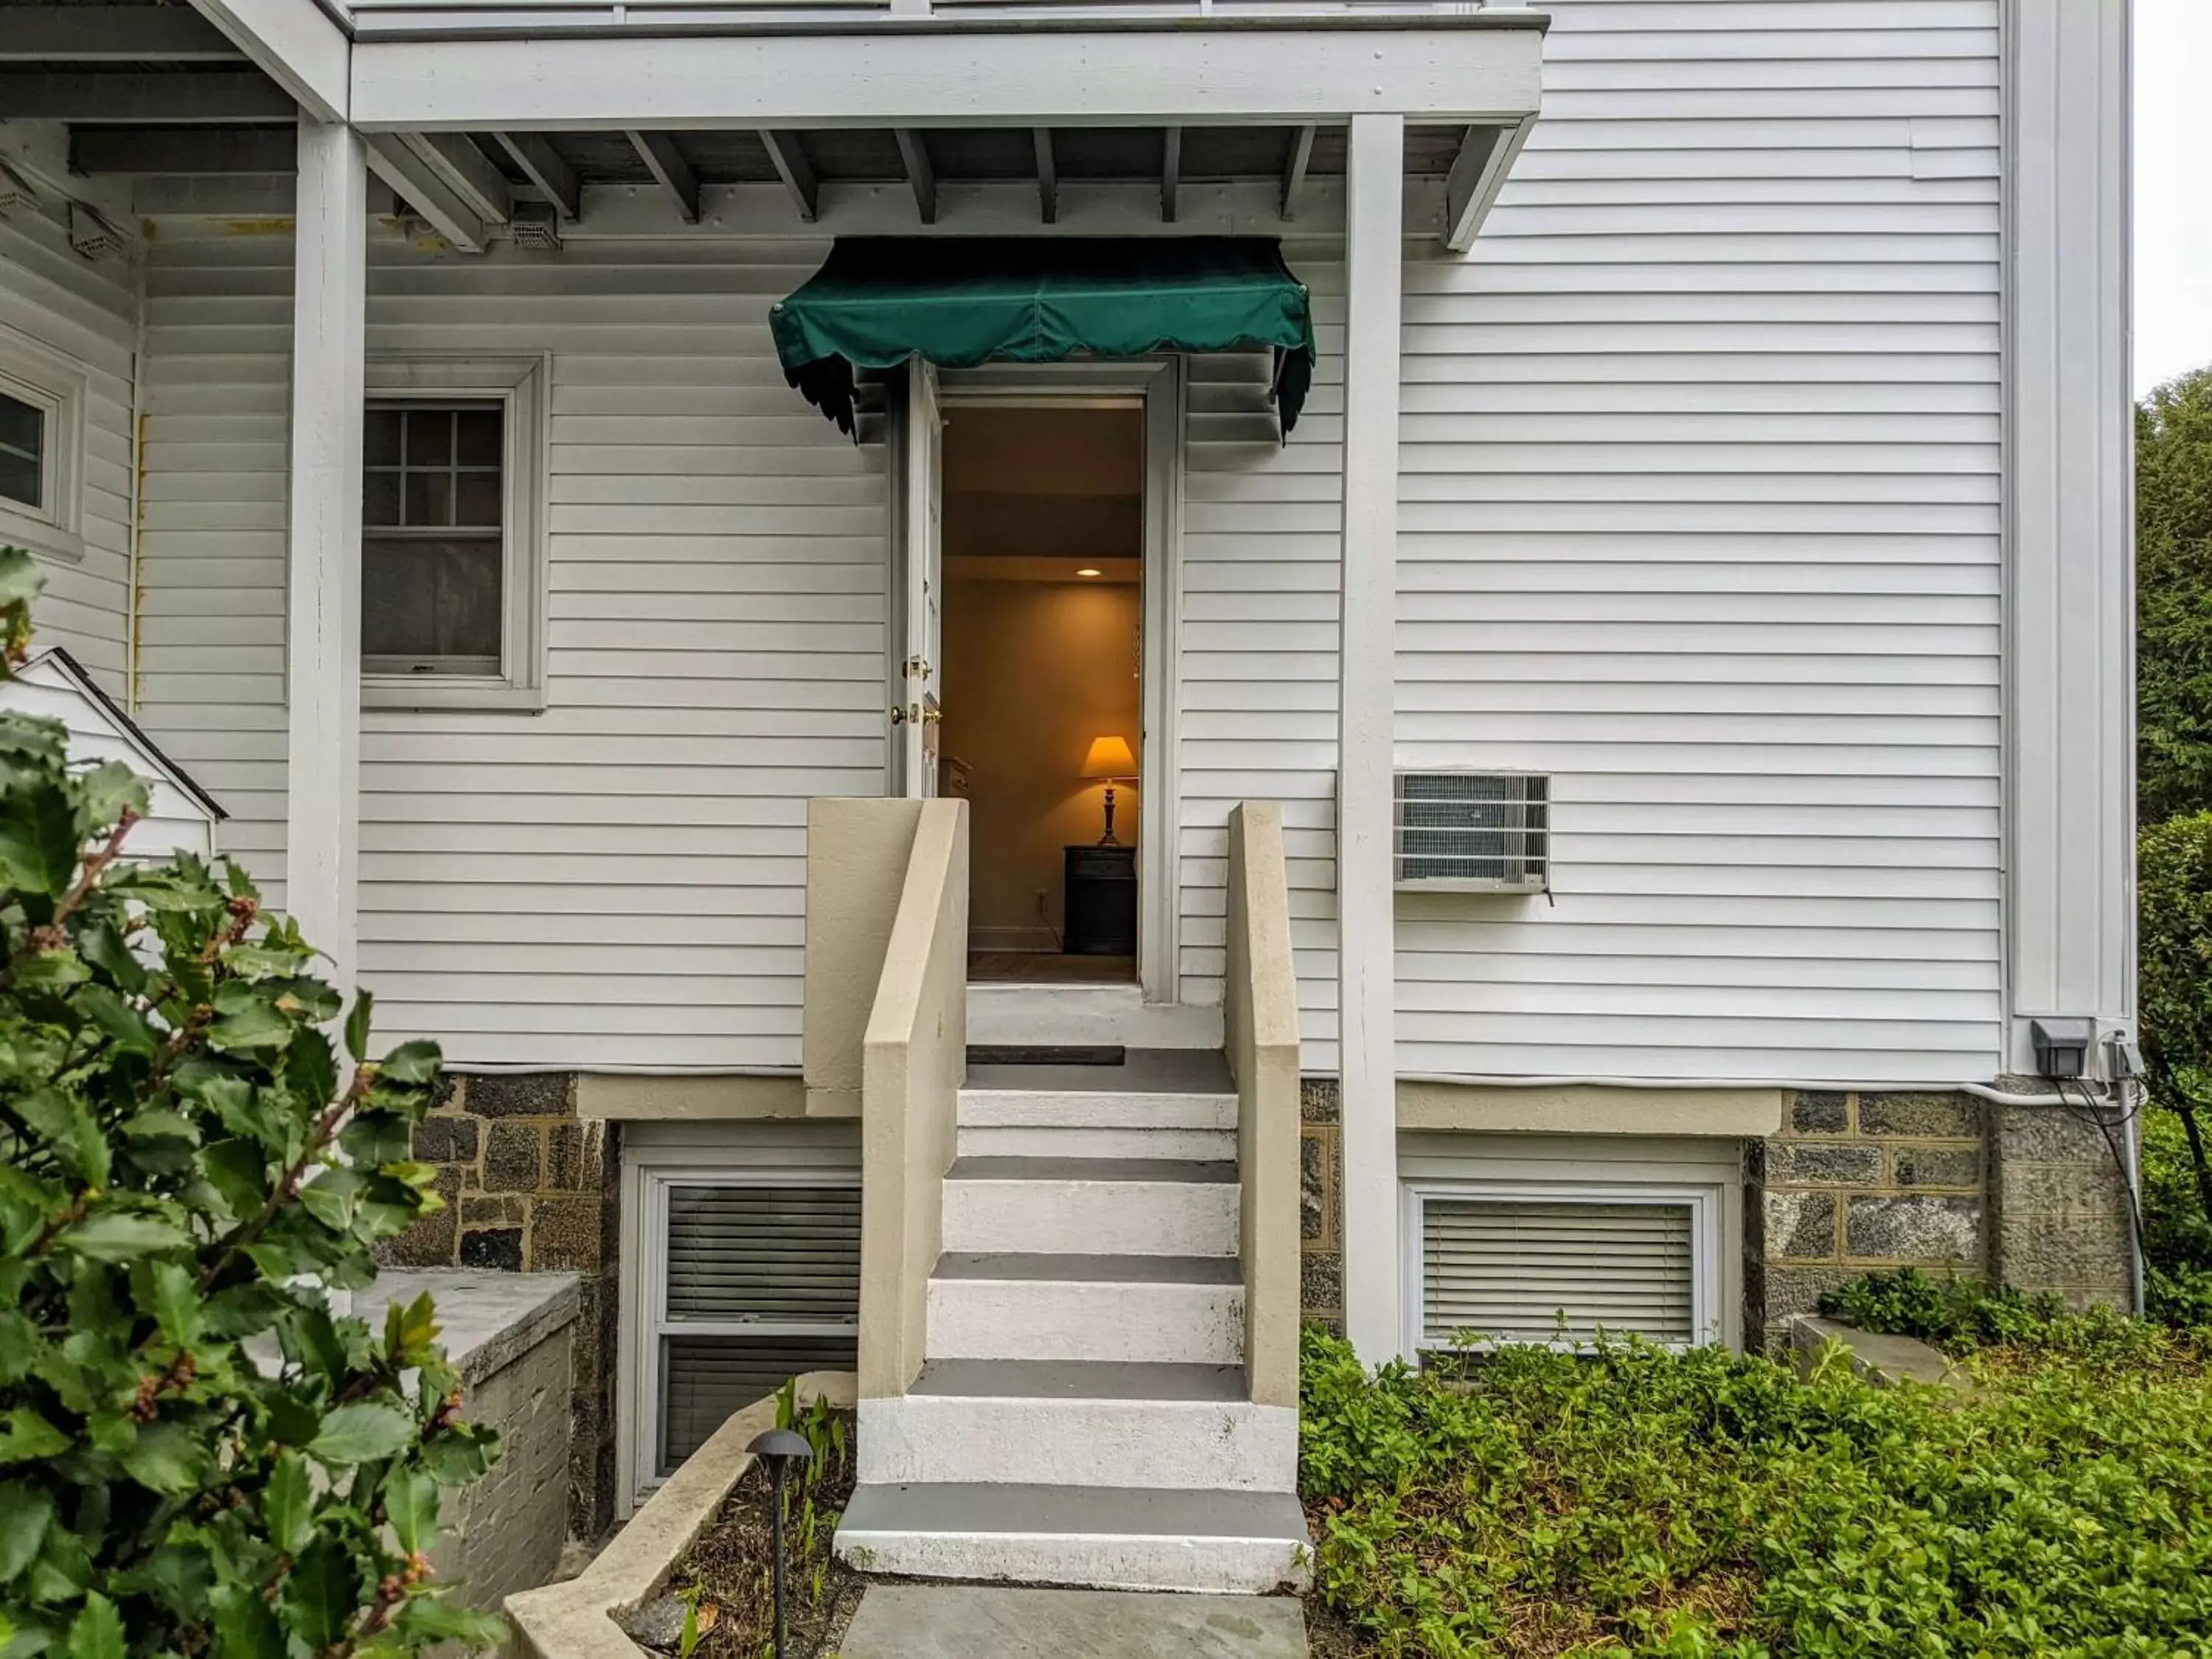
(1472,832)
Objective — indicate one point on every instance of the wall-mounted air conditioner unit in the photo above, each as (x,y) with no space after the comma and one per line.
(1471,832)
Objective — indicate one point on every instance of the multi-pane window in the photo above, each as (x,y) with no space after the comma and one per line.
(23,452)
(433,536)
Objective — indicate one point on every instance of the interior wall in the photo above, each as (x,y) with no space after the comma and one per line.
(1033,671)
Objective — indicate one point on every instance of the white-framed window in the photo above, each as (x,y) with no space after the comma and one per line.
(452,546)
(42,396)
(747,1277)
(1489,1264)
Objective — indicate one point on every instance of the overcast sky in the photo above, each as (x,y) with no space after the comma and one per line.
(2173,188)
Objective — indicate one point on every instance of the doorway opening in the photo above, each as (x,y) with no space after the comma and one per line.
(1043,605)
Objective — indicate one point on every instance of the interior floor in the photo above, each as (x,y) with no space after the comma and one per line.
(1043,968)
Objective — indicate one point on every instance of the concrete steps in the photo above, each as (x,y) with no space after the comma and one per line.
(1082,1417)
(1247,1541)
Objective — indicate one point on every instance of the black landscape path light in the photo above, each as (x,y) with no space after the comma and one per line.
(781,1451)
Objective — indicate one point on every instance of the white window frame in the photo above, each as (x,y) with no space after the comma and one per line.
(644,1291)
(56,387)
(519,385)
(1706,1216)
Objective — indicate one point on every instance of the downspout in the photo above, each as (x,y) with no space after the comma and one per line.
(134,598)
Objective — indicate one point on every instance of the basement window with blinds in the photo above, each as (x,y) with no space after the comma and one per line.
(755,1279)
(1493,1266)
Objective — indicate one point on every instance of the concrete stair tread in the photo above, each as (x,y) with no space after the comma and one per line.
(999,1508)
(1091,1269)
(1195,1171)
(1080,1379)
(1142,1071)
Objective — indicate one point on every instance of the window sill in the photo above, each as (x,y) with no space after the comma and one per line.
(42,537)
(408,694)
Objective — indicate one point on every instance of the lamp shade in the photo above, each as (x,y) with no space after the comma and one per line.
(1109,757)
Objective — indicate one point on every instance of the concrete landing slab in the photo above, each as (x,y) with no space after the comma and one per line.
(982,1621)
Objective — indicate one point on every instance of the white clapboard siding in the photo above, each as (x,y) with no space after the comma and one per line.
(84,314)
(1700,515)
(619,881)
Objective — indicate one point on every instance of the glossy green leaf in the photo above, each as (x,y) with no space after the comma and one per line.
(25,1435)
(97,1631)
(121,1236)
(322,1593)
(38,848)
(25,1513)
(361,1433)
(288,1503)
(246,1626)
(167,1458)
(356,1025)
(410,1504)
(410,1062)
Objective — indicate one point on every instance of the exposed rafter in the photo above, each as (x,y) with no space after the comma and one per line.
(1170,174)
(423,189)
(919,173)
(1485,156)
(543,165)
(796,171)
(483,188)
(671,171)
(191,95)
(1294,169)
(154,152)
(1048,176)
(93,34)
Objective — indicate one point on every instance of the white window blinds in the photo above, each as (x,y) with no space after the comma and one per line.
(1542,1270)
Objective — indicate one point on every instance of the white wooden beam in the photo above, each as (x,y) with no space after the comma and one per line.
(1366,660)
(1170,173)
(543,165)
(296,43)
(671,171)
(1482,66)
(797,173)
(1048,172)
(323,546)
(93,34)
(1294,169)
(2069,524)
(425,191)
(468,172)
(1485,156)
(919,173)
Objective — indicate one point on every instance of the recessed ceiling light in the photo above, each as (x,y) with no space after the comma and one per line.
(1088,571)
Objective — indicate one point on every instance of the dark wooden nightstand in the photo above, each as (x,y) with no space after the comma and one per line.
(1100,886)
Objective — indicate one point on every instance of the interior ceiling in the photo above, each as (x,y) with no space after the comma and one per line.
(1033,449)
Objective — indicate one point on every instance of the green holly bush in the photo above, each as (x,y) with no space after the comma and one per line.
(200,1451)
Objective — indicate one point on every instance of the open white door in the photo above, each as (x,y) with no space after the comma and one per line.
(921,668)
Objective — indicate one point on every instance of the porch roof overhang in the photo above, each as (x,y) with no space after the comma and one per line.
(878,302)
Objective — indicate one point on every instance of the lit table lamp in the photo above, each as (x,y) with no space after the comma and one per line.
(1111,759)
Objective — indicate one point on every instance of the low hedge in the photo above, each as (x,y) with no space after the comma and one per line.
(1709,1504)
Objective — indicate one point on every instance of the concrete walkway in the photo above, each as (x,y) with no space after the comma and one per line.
(976,1621)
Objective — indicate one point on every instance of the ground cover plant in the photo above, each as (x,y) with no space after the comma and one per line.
(1638,1500)
(198,1455)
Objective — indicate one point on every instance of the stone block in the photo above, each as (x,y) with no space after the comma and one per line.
(521,1093)
(1321,1284)
(2071,1188)
(1924,1118)
(1313,1187)
(2049,1250)
(446,1141)
(565,1233)
(1917,1228)
(564,1158)
(496,1247)
(1317,1099)
(1931,1166)
(514,1158)
(1795,1290)
(1800,1224)
(430,1243)
(1823,1164)
(2048,1135)
(478,1210)
(1818,1112)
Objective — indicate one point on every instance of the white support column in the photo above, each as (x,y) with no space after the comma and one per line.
(2069,522)
(323,671)
(1374,238)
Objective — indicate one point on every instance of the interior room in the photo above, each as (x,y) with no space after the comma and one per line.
(1043,681)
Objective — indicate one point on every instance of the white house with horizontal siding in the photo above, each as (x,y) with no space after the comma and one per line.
(1030,686)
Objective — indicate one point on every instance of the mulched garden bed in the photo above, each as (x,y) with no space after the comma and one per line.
(727,1569)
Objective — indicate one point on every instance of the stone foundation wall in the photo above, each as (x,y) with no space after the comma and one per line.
(529,1188)
(1321,1204)
(2058,1205)
(1858,1181)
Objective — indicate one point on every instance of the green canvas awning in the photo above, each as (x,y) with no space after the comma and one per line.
(959,302)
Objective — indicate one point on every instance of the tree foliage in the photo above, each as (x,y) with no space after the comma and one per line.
(198,1454)
(2173,597)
